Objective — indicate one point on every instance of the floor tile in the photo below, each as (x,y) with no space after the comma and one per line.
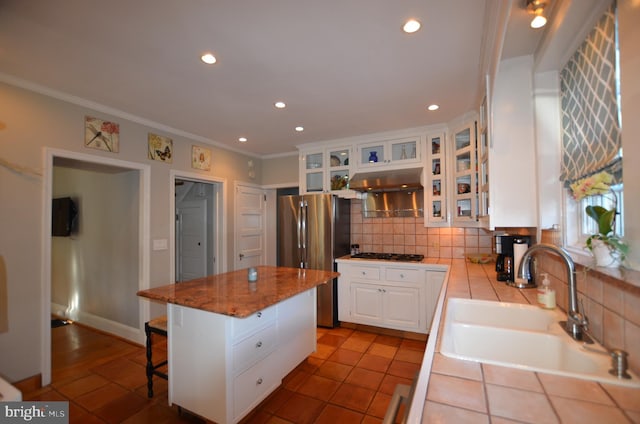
(83,386)
(403,369)
(353,397)
(323,351)
(379,405)
(389,383)
(368,419)
(356,344)
(383,350)
(345,356)
(388,340)
(100,397)
(332,340)
(334,370)
(278,398)
(365,378)
(294,379)
(119,409)
(374,363)
(332,414)
(319,387)
(409,355)
(300,409)
(413,344)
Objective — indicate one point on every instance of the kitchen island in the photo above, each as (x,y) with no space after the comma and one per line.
(230,341)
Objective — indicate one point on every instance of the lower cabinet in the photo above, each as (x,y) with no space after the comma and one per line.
(221,367)
(400,297)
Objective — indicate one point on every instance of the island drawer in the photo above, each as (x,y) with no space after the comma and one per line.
(242,327)
(412,275)
(254,348)
(253,385)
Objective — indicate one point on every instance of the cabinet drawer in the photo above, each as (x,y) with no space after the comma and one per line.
(364,272)
(253,385)
(412,275)
(254,348)
(245,326)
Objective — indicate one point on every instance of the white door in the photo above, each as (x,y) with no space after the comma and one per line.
(366,303)
(250,223)
(191,243)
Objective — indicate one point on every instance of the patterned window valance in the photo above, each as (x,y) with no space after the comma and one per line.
(590,129)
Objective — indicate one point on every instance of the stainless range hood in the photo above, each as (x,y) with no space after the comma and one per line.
(382,181)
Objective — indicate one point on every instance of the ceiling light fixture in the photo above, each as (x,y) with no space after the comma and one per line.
(433,107)
(299,129)
(242,139)
(536,8)
(208,58)
(411,26)
(280,105)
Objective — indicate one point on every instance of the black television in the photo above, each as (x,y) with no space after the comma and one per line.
(63,216)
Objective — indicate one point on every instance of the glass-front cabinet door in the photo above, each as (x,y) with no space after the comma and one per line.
(326,171)
(436,186)
(338,169)
(465,190)
(396,153)
(483,160)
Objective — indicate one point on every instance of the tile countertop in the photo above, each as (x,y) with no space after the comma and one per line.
(232,294)
(455,391)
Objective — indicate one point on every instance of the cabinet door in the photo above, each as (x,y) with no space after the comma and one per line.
(401,306)
(366,303)
(312,172)
(401,153)
(465,185)
(338,161)
(436,185)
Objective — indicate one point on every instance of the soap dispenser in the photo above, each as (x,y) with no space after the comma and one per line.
(546,295)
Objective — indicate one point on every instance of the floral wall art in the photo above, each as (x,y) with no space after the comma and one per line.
(160,148)
(200,158)
(101,135)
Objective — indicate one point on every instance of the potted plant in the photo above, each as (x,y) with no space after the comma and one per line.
(605,245)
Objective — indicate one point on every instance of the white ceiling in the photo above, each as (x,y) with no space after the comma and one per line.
(344,68)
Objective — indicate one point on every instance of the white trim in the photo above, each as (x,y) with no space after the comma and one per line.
(69,98)
(49,154)
(220,224)
(281,185)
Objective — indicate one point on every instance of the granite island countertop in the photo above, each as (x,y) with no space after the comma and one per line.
(450,390)
(231,294)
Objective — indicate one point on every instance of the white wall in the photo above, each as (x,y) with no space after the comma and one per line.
(29,122)
(95,270)
(629,33)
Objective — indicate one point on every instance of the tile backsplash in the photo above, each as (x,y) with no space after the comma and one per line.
(409,235)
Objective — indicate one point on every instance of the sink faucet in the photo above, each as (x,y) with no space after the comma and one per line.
(577,322)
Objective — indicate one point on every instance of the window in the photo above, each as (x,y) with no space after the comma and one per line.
(591,140)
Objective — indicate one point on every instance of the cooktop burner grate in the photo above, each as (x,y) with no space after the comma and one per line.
(400,257)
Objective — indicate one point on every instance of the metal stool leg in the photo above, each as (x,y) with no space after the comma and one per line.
(147,331)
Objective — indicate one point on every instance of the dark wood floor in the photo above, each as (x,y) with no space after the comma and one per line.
(350,379)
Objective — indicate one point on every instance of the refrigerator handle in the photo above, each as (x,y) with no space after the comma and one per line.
(305,208)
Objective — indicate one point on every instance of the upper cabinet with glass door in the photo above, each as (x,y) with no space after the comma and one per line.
(465,187)
(326,171)
(436,180)
(483,167)
(398,153)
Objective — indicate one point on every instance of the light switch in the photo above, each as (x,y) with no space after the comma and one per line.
(160,244)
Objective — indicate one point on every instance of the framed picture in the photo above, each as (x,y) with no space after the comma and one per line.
(200,158)
(101,135)
(160,148)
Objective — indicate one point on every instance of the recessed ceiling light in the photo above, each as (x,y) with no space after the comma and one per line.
(280,105)
(242,139)
(433,107)
(299,129)
(208,58)
(411,26)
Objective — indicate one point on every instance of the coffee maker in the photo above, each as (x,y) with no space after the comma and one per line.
(510,249)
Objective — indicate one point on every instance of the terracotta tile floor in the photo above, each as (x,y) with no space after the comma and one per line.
(349,379)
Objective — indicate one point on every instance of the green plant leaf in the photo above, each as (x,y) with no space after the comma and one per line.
(603,217)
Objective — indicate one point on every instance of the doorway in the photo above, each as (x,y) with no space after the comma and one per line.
(197,226)
(82,274)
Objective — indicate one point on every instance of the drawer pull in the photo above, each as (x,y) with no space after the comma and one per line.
(259,381)
(401,275)
(259,344)
(259,314)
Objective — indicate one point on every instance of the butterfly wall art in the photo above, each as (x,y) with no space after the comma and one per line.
(160,148)
(102,135)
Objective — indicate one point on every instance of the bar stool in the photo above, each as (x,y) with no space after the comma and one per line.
(155,326)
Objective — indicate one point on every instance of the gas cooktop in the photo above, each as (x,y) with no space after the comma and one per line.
(401,257)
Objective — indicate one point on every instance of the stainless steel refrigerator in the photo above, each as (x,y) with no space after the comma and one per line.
(314,230)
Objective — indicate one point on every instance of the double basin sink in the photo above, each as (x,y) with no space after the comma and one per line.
(525,337)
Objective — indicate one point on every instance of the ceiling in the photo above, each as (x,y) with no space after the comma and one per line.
(344,68)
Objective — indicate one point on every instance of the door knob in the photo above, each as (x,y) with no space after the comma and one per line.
(241,255)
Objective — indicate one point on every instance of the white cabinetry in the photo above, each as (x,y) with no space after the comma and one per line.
(383,294)
(326,171)
(398,153)
(221,367)
(465,188)
(436,193)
